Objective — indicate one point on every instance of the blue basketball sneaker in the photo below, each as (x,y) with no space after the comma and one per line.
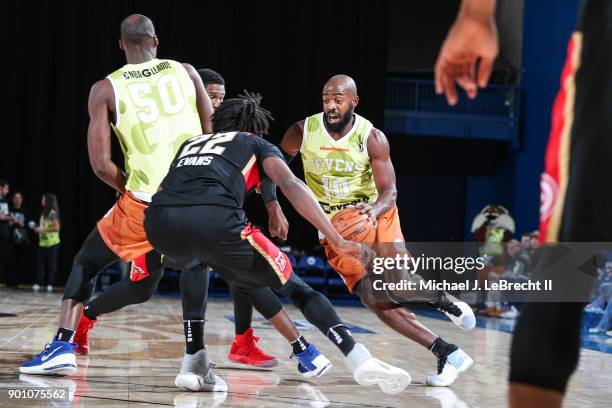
(57,358)
(311,362)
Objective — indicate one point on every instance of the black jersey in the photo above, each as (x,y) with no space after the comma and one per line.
(215,169)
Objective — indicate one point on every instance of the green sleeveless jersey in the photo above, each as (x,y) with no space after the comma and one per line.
(47,239)
(338,172)
(155,104)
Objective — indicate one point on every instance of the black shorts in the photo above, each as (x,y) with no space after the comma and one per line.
(575,205)
(222,238)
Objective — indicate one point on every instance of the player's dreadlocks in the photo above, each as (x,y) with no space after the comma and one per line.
(243,114)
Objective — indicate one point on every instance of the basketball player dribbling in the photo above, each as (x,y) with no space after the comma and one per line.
(346,162)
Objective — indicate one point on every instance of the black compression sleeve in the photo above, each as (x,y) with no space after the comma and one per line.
(268,188)
(288,157)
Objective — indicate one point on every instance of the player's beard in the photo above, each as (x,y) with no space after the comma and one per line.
(338,126)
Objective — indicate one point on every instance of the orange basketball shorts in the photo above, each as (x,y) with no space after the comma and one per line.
(388,231)
(122,228)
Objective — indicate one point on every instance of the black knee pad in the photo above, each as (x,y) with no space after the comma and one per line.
(298,291)
(546,345)
(262,299)
(317,309)
(91,259)
(143,289)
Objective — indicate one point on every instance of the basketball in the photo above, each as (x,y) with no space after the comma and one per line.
(353,225)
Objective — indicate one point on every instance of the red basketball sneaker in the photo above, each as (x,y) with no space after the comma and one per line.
(81,336)
(245,350)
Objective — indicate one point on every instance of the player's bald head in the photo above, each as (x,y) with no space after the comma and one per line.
(339,101)
(340,84)
(137,29)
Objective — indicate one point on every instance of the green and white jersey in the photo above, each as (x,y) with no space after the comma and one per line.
(47,239)
(155,104)
(338,172)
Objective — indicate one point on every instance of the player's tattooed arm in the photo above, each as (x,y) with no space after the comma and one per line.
(205,108)
(304,202)
(101,101)
(384,174)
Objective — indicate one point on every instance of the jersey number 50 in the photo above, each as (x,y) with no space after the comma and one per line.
(167,90)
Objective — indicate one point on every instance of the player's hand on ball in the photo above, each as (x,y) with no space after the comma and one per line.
(350,248)
(277,223)
(366,257)
(471,39)
(367,210)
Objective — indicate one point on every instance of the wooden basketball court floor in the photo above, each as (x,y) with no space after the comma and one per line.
(136,353)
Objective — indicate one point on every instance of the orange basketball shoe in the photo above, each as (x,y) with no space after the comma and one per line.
(245,350)
(81,335)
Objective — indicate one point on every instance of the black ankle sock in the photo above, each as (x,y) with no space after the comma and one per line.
(64,334)
(441,348)
(342,338)
(300,344)
(89,313)
(194,335)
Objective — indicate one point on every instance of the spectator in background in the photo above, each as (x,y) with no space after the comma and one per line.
(518,260)
(48,242)
(602,288)
(503,264)
(492,227)
(5,218)
(602,300)
(605,324)
(530,243)
(20,238)
(517,271)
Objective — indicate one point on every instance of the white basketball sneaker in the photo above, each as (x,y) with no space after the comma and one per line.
(457,311)
(196,375)
(368,371)
(449,368)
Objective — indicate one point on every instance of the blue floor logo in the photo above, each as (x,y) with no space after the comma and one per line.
(302,325)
